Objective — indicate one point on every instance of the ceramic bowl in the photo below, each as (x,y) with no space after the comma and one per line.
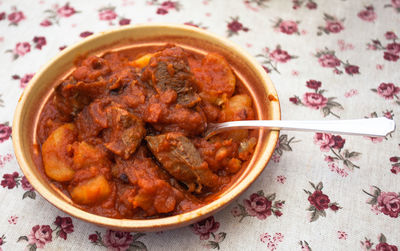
(41,86)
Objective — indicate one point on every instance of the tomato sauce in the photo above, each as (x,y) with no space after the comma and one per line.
(123,134)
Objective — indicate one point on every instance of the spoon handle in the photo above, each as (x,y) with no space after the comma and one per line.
(374,127)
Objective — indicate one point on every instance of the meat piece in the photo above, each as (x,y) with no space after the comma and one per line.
(169,70)
(91,68)
(181,159)
(71,96)
(92,119)
(125,132)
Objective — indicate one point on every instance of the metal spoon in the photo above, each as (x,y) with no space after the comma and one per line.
(373,127)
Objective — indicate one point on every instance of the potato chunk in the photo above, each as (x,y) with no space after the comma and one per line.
(142,61)
(56,153)
(91,191)
(238,108)
(215,77)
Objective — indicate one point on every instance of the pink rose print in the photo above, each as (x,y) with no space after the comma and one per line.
(391,52)
(234,27)
(280,56)
(381,246)
(40,236)
(13,219)
(395,160)
(319,202)
(316,100)
(271,59)
(55,14)
(259,206)
(205,227)
(165,6)
(66,11)
(304,246)
(13,180)
(22,48)
(288,27)
(208,227)
(5,158)
(2,16)
(10,180)
(46,23)
(94,238)
(85,34)
(25,80)
(5,132)
(39,42)
(272,241)
(328,59)
(342,235)
(351,93)
(26,185)
(390,35)
(313,84)
(15,17)
(282,145)
(64,226)
(124,21)
(107,14)
(324,140)
(395,4)
(2,240)
(388,91)
(332,25)
(162,11)
(310,4)
(387,203)
(368,14)
(118,241)
(334,144)
(281,179)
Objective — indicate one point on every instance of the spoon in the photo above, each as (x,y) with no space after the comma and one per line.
(373,127)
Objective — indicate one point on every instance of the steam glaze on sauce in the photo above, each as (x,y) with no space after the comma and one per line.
(123,134)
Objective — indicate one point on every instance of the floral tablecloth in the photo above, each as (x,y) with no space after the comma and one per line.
(333,59)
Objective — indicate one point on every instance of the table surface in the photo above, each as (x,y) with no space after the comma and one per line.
(328,59)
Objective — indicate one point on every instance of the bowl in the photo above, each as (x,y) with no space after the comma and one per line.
(35,95)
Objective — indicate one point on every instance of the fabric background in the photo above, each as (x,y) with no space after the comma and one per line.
(350,47)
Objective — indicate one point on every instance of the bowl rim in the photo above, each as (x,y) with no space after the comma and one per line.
(144,224)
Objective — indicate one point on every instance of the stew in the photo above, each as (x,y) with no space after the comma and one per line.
(122,135)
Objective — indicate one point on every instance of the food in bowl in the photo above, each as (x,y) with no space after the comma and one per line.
(122,135)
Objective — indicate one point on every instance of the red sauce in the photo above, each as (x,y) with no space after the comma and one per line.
(123,134)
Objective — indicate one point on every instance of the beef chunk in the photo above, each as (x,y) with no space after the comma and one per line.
(125,132)
(169,70)
(181,159)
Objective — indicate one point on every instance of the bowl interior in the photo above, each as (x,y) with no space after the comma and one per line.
(40,88)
